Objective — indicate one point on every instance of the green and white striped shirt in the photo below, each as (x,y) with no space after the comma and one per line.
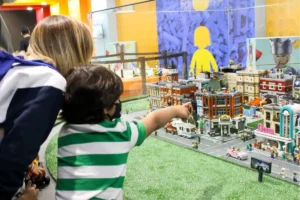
(92,159)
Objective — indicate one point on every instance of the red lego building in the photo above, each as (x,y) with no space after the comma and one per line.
(277,84)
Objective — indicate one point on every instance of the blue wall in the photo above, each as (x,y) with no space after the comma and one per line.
(230,23)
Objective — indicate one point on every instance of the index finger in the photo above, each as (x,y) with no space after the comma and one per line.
(187,104)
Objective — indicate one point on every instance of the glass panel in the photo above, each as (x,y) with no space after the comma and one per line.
(144,42)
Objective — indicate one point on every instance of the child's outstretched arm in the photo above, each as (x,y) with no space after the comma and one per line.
(159,118)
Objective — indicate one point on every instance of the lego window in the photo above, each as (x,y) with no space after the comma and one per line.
(277,128)
(279,86)
(221,101)
(268,115)
(237,100)
(268,125)
(272,86)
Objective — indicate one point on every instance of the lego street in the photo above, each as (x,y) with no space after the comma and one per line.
(216,147)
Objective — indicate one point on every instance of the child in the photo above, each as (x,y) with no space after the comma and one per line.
(93,145)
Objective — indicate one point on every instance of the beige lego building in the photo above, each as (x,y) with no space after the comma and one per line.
(248,84)
(271,113)
(231,80)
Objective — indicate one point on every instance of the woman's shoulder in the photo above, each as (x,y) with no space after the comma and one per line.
(37,76)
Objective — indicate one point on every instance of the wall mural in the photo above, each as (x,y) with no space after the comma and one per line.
(227,24)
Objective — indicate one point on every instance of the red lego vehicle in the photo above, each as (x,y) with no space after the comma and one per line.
(170,129)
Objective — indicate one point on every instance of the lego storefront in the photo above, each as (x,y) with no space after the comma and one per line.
(288,124)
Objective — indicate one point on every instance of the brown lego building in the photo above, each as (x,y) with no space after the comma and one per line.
(216,105)
(170,92)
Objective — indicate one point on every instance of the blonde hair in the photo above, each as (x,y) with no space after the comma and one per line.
(61,41)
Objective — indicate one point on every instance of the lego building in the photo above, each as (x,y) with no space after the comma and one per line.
(231,80)
(248,84)
(271,117)
(211,106)
(172,91)
(277,83)
(281,126)
(296,90)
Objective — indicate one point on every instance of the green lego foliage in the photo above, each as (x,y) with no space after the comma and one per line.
(255,124)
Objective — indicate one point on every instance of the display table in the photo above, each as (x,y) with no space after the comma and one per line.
(133,86)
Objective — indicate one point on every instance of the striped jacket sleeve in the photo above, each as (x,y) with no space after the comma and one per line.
(30,99)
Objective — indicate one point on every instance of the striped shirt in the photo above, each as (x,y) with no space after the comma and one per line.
(92,159)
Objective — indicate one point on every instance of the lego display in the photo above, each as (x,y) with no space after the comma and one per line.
(269,132)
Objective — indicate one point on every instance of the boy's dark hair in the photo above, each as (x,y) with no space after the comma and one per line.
(90,89)
(25,30)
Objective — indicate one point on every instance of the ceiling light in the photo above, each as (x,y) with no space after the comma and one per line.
(44,3)
(29,8)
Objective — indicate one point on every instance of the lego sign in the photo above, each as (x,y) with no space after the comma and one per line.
(263,129)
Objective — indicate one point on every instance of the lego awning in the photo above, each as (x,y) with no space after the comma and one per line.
(273,137)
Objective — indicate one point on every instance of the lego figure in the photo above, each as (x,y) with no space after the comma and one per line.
(127,111)
(282,173)
(249,147)
(36,174)
(234,90)
(296,150)
(281,50)
(233,149)
(195,145)
(255,143)
(260,170)
(298,159)
(295,177)
(283,155)
(272,154)
(202,58)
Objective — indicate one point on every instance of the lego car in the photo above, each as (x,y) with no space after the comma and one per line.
(214,132)
(188,135)
(170,129)
(237,154)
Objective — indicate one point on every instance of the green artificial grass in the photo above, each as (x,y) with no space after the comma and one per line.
(163,171)
(255,124)
(138,105)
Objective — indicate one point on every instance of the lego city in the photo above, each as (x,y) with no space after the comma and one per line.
(238,113)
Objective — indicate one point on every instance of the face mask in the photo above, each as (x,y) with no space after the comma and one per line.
(117,114)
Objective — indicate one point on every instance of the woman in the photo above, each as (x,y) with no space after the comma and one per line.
(31,93)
